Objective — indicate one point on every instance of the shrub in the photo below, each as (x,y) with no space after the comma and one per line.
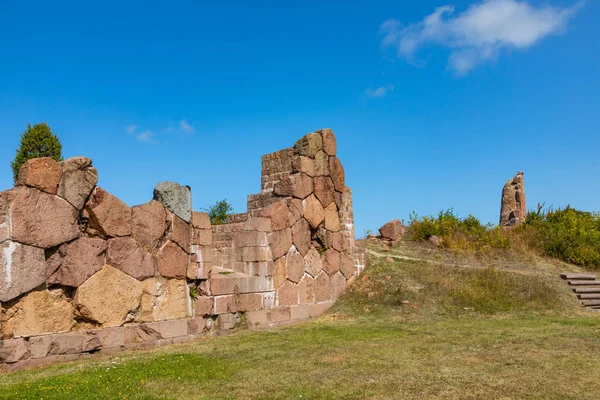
(219,211)
(37,141)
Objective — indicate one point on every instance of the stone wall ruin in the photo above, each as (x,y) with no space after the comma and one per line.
(513,208)
(82,272)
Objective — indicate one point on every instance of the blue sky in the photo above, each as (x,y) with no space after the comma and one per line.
(435,104)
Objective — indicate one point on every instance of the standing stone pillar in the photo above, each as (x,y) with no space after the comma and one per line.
(513,209)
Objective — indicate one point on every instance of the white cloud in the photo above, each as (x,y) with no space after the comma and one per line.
(131,129)
(479,33)
(146,137)
(380,91)
(187,128)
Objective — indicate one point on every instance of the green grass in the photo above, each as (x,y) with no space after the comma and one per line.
(411,330)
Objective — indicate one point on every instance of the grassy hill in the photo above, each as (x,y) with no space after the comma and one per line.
(420,323)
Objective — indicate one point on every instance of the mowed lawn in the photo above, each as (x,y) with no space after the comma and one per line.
(377,343)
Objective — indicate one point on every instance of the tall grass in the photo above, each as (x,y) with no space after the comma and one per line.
(565,233)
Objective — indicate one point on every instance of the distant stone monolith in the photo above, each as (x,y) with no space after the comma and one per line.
(513,208)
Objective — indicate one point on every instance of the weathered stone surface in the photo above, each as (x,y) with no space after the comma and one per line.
(287,294)
(338,285)
(346,265)
(77,261)
(40,346)
(304,164)
(22,268)
(312,262)
(322,287)
(78,181)
(329,142)
(225,304)
(108,216)
(309,145)
(337,241)
(331,261)
(435,240)
(306,294)
(226,321)
(258,224)
(149,224)
(203,305)
(200,220)
(332,218)
(179,232)
(125,255)
(4,213)
(294,265)
(41,173)
(279,273)
(321,164)
(41,219)
(250,239)
(202,237)
(313,211)
(249,302)
(336,170)
(513,209)
(298,185)
(176,198)
(280,242)
(301,236)
(36,313)
(278,213)
(110,297)
(324,190)
(172,261)
(393,230)
(13,350)
(165,299)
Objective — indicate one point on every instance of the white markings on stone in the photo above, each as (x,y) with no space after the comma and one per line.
(7,254)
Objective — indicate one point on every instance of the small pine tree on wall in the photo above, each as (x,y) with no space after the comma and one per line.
(37,141)
(218,212)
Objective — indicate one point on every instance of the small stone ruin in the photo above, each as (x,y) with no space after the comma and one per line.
(82,272)
(513,209)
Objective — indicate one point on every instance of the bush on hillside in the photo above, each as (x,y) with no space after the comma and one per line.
(37,141)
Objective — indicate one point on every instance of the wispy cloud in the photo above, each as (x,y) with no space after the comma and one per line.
(146,137)
(379,91)
(186,127)
(131,129)
(479,33)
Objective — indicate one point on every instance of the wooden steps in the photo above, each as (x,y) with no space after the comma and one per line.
(586,287)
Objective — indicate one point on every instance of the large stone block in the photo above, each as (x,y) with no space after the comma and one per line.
(278,213)
(110,297)
(41,173)
(306,294)
(78,181)
(321,164)
(313,211)
(73,263)
(250,239)
(346,265)
(176,198)
(329,142)
(331,261)
(200,220)
(322,287)
(309,145)
(36,313)
(313,263)
(203,305)
(280,242)
(280,272)
(202,237)
(14,350)
(393,230)
(336,171)
(324,190)
(301,236)
(179,231)
(297,185)
(108,216)
(304,164)
(172,261)
(4,214)
(125,255)
(165,299)
(338,285)
(332,218)
(287,294)
(41,219)
(225,304)
(149,224)
(294,265)
(258,224)
(22,268)
(249,302)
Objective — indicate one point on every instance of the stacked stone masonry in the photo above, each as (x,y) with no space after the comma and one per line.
(81,272)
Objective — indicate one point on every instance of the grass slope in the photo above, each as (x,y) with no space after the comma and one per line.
(407,329)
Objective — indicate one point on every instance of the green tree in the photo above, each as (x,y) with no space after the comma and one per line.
(219,211)
(37,141)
